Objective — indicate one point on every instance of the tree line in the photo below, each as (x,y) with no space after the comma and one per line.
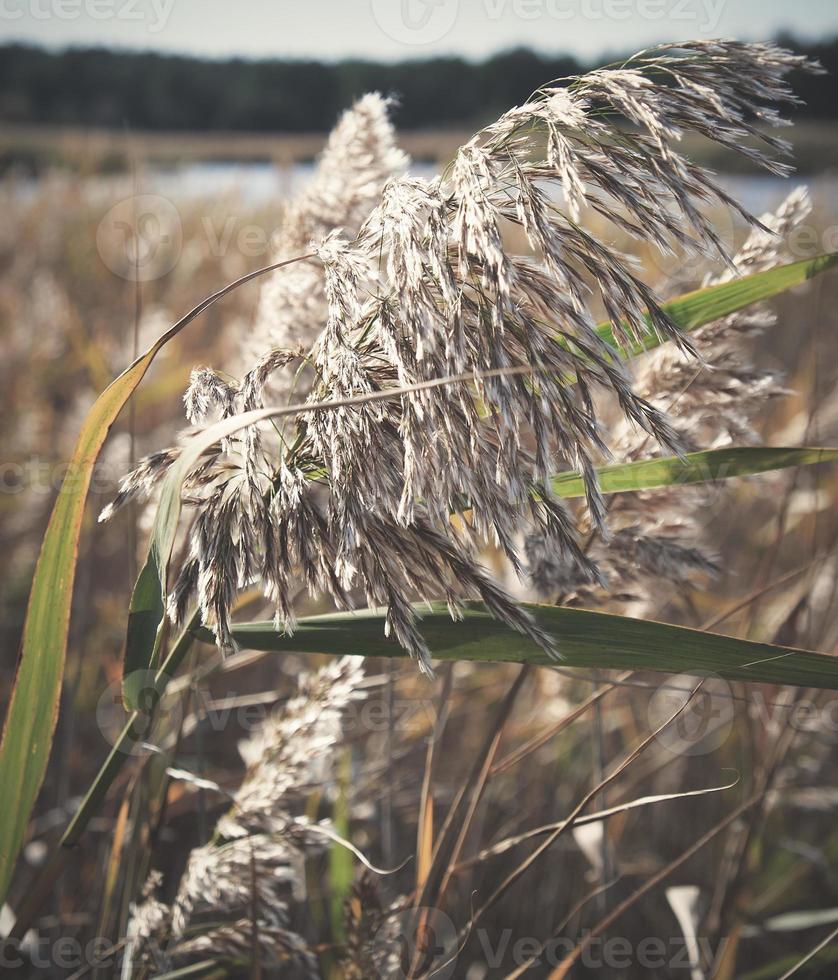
(145,90)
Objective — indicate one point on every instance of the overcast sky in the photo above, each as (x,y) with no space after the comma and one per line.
(396,29)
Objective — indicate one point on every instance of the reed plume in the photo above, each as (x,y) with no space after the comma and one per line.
(357,501)
(240,887)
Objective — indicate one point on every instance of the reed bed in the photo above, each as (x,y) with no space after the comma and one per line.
(292,814)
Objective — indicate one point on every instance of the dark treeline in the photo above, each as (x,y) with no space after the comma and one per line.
(98,87)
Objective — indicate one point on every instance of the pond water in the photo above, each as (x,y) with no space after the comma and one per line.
(259,183)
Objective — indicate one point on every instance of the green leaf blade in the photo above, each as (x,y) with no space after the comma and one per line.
(710,303)
(33,711)
(30,721)
(703,467)
(585,638)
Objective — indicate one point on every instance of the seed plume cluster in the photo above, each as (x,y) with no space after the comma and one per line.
(360,156)
(357,502)
(237,891)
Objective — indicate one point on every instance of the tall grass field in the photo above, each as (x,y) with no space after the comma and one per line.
(419,561)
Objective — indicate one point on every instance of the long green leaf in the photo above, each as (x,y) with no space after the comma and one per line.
(703,467)
(33,711)
(31,718)
(701,306)
(645,474)
(593,640)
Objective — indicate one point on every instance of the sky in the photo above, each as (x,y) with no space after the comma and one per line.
(397,29)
